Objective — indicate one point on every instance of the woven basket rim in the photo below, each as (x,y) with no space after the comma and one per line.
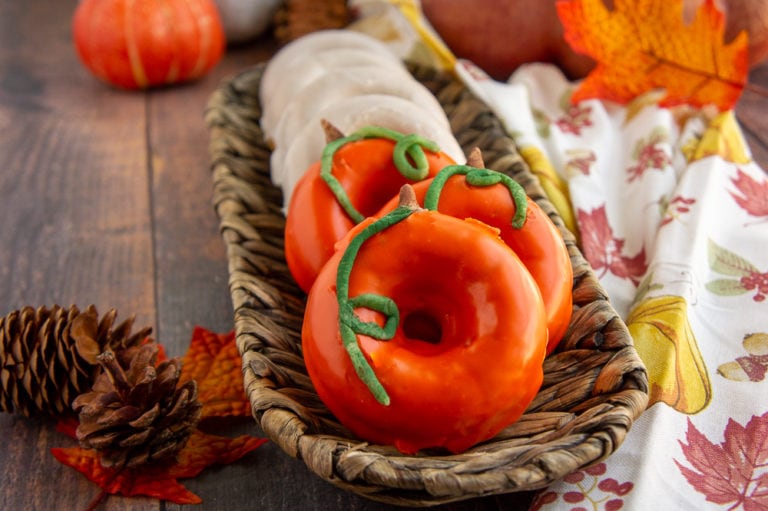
(595,383)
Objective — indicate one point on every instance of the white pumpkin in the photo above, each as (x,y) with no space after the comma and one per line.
(246,19)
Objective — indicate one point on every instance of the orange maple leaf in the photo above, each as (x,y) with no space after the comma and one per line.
(642,45)
(160,480)
(213,361)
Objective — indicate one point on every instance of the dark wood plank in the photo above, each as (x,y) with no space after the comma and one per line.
(75,203)
(76,224)
(192,274)
(189,252)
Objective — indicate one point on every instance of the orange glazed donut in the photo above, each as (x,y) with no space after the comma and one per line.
(536,241)
(361,175)
(424,331)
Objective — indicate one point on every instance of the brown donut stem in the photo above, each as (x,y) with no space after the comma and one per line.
(475,158)
(331,132)
(407,198)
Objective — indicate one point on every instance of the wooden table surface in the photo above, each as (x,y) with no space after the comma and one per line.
(105,199)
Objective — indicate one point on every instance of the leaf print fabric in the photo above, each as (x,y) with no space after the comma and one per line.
(592,489)
(747,278)
(580,161)
(676,208)
(575,118)
(753,365)
(733,472)
(751,194)
(604,251)
(672,214)
(649,154)
(666,343)
(720,137)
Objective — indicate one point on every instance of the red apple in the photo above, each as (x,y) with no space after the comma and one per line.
(500,35)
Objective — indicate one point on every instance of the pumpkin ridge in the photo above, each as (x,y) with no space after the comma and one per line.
(137,67)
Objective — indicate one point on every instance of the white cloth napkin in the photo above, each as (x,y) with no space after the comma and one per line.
(673,217)
(672,214)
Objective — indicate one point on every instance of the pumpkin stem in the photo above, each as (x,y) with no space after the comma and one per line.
(408,157)
(479,177)
(407,198)
(350,325)
(331,132)
(475,158)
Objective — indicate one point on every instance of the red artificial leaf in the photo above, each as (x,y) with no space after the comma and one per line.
(147,481)
(729,472)
(214,362)
(645,45)
(203,450)
(751,194)
(68,426)
(161,480)
(604,251)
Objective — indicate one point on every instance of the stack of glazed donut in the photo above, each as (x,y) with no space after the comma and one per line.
(350,80)
(424,327)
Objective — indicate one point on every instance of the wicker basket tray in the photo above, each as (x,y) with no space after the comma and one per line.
(594,384)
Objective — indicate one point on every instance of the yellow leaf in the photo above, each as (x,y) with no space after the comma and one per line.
(721,138)
(554,186)
(665,342)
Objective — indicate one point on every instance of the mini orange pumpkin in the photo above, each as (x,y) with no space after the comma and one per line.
(144,43)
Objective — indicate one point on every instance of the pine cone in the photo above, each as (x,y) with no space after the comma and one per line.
(296,18)
(135,413)
(48,356)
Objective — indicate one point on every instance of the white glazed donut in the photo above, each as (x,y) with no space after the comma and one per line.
(352,113)
(307,68)
(312,43)
(292,76)
(344,83)
(351,81)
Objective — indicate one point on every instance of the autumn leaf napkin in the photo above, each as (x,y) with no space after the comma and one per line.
(672,214)
(672,226)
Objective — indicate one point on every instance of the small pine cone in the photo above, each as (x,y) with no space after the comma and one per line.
(48,356)
(136,413)
(296,18)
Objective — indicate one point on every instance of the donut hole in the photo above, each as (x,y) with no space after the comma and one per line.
(435,316)
(445,303)
(420,325)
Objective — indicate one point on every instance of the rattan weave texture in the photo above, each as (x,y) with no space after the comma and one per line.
(594,387)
